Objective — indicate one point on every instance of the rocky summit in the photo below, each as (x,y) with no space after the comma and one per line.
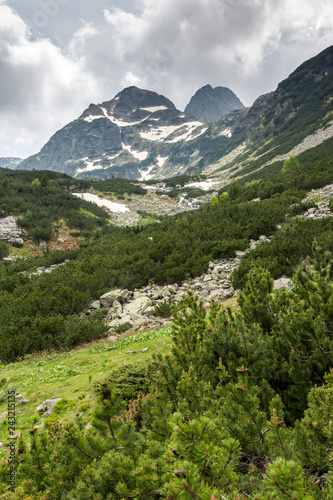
(131,136)
(211,104)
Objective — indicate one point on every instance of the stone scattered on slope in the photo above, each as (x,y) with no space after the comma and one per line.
(47,407)
(10,232)
(135,310)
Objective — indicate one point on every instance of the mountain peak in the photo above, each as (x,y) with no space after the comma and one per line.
(132,98)
(211,104)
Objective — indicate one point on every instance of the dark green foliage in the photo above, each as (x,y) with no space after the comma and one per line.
(163,309)
(177,248)
(291,165)
(129,381)
(41,203)
(234,190)
(282,255)
(3,250)
(219,418)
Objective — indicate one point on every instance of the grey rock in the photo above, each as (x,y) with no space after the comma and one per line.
(15,242)
(156,293)
(138,306)
(140,323)
(117,307)
(24,402)
(283,282)
(108,298)
(47,407)
(3,415)
(211,104)
(125,323)
(112,338)
(95,305)
(40,426)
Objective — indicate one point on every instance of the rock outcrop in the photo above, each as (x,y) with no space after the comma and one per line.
(211,104)
(47,407)
(10,232)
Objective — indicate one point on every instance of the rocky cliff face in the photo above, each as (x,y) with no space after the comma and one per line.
(9,162)
(212,104)
(131,136)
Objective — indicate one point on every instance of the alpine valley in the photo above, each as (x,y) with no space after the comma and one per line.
(166,300)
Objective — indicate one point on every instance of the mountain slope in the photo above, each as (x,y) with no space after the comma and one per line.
(130,136)
(211,104)
(141,135)
(294,118)
(9,162)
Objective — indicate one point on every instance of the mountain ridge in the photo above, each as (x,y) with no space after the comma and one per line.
(140,135)
(129,135)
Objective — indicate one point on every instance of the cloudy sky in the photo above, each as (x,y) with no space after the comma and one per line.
(58,56)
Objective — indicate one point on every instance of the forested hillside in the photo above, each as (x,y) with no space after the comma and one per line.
(241,407)
(46,307)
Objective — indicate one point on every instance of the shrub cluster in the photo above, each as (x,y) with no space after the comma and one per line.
(240,409)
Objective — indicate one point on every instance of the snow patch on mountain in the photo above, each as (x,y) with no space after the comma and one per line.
(121,123)
(161,160)
(139,155)
(101,202)
(91,118)
(226,132)
(146,174)
(204,185)
(188,134)
(153,109)
(164,132)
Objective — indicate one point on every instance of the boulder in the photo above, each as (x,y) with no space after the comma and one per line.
(123,324)
(15,242)
(117,308)
(138,306)
(47,407)
(112,337)
(156,293)
(283,282)
(95,305)
(24,402)
(139,322)
(108,298)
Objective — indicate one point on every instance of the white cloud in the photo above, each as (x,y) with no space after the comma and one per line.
(182,44)
(41,87)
